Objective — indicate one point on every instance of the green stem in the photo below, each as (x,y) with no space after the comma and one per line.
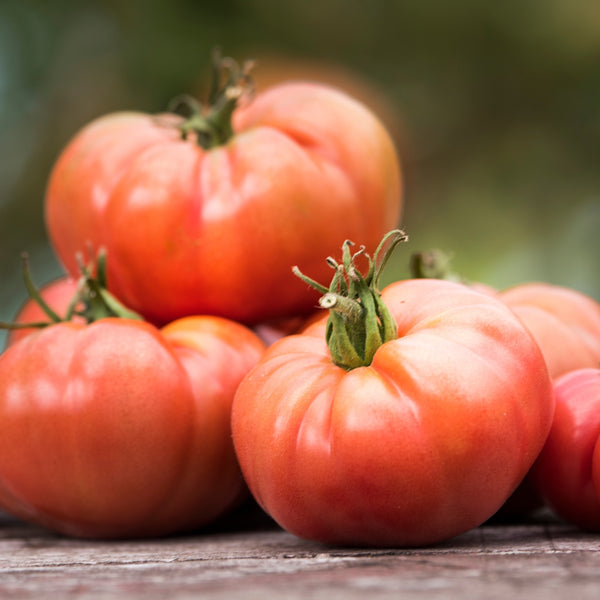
(212,125)
(33,325)
(91,301)
(34,293)
(98,302)
(359,321)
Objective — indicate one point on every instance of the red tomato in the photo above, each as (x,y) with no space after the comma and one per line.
(566,325)
(57,294)
(423,444)
(190,230)
(564,322)
(117,429)
(567,472)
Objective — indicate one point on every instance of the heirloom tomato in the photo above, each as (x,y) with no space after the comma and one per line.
(206,214)
(564,322)
(406,418)
(567,472)
(116,429)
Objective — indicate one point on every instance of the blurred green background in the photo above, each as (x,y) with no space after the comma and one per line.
(494,107)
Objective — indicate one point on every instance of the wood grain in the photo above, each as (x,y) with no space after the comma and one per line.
(248,557)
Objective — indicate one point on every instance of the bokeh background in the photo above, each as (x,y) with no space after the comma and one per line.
(494,107)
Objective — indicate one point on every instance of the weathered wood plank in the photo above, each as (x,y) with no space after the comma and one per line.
(255,559)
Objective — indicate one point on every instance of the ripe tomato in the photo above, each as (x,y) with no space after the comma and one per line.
(423,443)
(566,326)
(567,472)
(214,230)
(564,322)
(276,68)
(117,429)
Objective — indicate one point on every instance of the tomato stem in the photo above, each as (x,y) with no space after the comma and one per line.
(212,125)
(359,322)
(33,291)
(98,302)
(92,300)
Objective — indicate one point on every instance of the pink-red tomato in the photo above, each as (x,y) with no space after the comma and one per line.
(276,68)
(564,322)
(195,231)
(566,325)
(117,429)
(567,472)
(423,444)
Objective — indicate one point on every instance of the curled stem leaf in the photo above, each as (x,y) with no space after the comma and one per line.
(359,321)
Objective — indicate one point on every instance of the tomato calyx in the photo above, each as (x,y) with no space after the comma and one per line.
(94,300)
(91,301)
(212,125)
(359,322)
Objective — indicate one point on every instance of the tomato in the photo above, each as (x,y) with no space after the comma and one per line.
(567,472)
(190,229)
(117,429)
(564,322)
(420,443)
(275,68)
(566,325)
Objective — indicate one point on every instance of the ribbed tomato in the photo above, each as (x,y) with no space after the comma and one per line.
(564,322)
(114,428)
(206,215)
(567,472)
(408,418)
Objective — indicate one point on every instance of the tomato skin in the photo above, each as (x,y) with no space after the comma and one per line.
(566,325)
(119,430)
(194,231)
(425,443)
(567,472)
(564,322)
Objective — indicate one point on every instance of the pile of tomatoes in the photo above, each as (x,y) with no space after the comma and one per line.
(182,362)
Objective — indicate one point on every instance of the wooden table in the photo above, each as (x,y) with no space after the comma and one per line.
(247,556)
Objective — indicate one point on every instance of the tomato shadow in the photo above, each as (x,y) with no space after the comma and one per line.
(247,517)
